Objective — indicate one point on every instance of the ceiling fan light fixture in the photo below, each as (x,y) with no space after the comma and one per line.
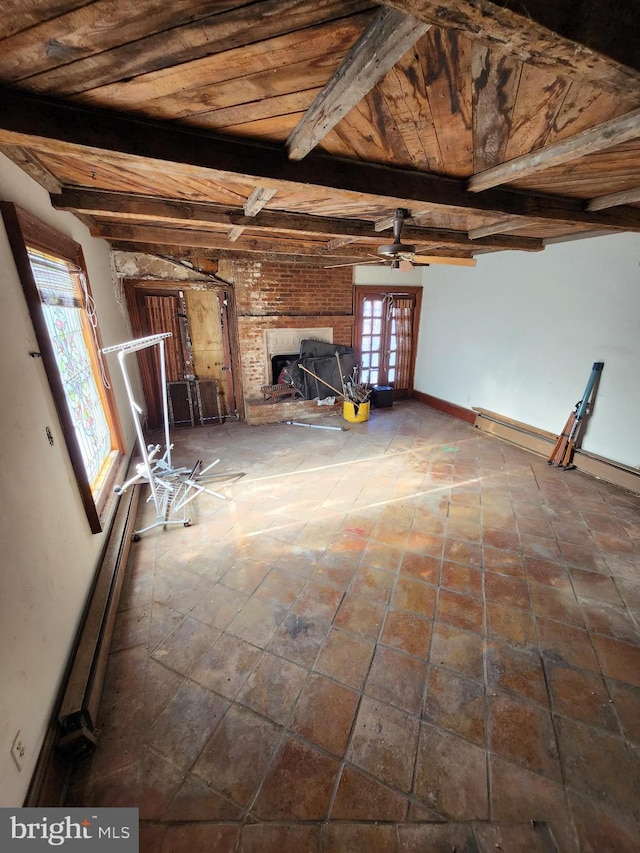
(393,249)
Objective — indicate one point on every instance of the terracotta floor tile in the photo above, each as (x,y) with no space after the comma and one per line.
(455,703)
(458,650)
(506,590)
(599,764)
(627,705)
(374,838)
(158,780)
(227,665)
(580,695)
(415,596)
(523,732)
(298,785)
(524,838)
(186,724)
(503,561)
(583,557)
(421,567)
(556,604)
(318,601)
(236,757)
(246,575)
(548,572)
(510,623)
(280,587)
(311,721)
(359,797)
(360,615)
(500,519)
(384,743)
(437,838)
(288,838)
(407,631)
(459,551)
(273,687)
(611,621)
(345,658)
(151,836)
(515,671)
(336,569)
(425,544)
(373,583)
(376,555)
(567,644)
(460,610)
(299,638)
(595,585)
(451,775)
(182,650)
(194,801)
(464,579)
(539,546)
(520,796)
(220,608)
(397,679)
(602,828)
(257,622)
(187,837)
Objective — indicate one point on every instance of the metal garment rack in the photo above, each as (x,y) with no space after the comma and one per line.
(172,489)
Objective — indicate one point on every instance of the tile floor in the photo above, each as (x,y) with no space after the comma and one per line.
(403,636)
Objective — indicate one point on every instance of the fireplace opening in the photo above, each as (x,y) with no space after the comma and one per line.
(278,362)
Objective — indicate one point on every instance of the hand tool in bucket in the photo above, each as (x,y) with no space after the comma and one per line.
(565,445)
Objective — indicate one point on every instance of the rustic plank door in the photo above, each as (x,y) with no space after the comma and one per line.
(386,336)
(198,345)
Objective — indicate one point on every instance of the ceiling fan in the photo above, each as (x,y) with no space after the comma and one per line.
(402,256)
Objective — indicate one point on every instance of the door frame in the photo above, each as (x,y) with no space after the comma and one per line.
(361,292)
(134,287)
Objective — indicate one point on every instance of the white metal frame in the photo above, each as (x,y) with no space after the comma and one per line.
(171,489)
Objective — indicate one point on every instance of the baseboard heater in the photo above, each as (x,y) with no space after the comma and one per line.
(81,698)
(542,442)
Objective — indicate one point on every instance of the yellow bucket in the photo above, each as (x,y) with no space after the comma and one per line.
(349,412)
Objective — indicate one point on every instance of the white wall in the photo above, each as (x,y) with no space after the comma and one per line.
(49,554)
(518,335)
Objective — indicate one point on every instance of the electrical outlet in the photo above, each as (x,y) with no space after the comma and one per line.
(18,750)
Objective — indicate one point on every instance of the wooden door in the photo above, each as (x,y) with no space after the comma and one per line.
(386,336)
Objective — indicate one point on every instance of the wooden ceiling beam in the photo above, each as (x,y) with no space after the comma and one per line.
(143,208)
(385,41)
(199,239)
(631,196)
(599,138)
(253,205)
(500,227)
(69,129)
(595,42)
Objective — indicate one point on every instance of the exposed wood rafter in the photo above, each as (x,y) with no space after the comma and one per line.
(385,41)
(599,138)
(500,227)
(631,196)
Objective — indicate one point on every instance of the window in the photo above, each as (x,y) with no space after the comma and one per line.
(53,275)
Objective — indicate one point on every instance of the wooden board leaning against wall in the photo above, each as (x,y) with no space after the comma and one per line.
(200,346)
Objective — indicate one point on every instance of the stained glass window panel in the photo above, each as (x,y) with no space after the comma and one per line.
(64,314)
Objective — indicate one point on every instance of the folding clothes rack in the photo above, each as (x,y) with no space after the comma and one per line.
(171,489)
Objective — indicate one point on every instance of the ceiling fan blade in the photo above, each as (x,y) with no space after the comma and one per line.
(405,266)
(434,259)
(354,264)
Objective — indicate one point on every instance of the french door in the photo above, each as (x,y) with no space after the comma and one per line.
(386,336)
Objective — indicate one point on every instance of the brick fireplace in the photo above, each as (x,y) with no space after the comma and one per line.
(277,305)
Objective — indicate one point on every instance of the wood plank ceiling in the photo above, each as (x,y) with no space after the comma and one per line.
(295,128)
